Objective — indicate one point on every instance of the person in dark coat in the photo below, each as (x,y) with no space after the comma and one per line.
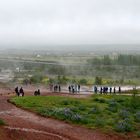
(35,93)
(69,89)
(110,90)
(17,92)
(59,88)
(119,89)
(79,88)
(106,90)
(55,88)
(114,90)
(101,90)
(73,90)
(38,91)
(21,91)
(95,89)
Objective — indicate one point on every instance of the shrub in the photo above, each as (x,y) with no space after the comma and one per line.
(135,102)
(67,114)
(75,102)
(45,111)
(2,122)
(110,121)
(113,106)
(99,122)
(65,102)
(137,116)
(69,102)
(124,114)
(94,110)
(82,107)
(60,113)
(76,118)
(37,78)
(124,126)
(120,100)
(96,99)
(74,109)
(100,100)
(112,102)
(83,81)
(112,109)
(138,134)
(98,80)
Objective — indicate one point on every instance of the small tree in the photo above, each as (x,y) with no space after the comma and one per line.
(98,80)
(135,92)
(135,102)
(83,81)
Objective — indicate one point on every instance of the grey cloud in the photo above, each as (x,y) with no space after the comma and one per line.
(69,21)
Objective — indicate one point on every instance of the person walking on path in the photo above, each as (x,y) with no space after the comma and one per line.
(17,92)
(114,90)
(21,91)
(69,89)
(110,90)
(79,88)
(119,89)
(59,88)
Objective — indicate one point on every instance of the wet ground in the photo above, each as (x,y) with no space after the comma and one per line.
(24,125)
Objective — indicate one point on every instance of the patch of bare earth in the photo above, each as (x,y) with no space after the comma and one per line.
(14,134)
(24,125)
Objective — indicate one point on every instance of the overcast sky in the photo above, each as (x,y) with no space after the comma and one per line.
(69,22)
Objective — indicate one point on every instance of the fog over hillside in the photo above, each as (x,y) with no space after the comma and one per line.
(125,48)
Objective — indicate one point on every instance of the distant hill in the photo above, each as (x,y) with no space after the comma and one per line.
(110,48)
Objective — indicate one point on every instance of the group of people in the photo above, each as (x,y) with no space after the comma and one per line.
(37,92)
(19,92)
(74,88)
(55,88)
(105,90)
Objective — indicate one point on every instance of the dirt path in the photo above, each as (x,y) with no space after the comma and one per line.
(23,125)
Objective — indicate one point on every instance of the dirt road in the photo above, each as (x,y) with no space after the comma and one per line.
(24,125)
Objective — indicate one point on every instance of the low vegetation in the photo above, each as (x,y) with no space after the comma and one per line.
(118,113)
(2,122)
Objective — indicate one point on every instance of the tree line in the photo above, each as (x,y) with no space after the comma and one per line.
(121,59)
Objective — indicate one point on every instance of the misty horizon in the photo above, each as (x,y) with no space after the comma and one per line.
(120,48)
